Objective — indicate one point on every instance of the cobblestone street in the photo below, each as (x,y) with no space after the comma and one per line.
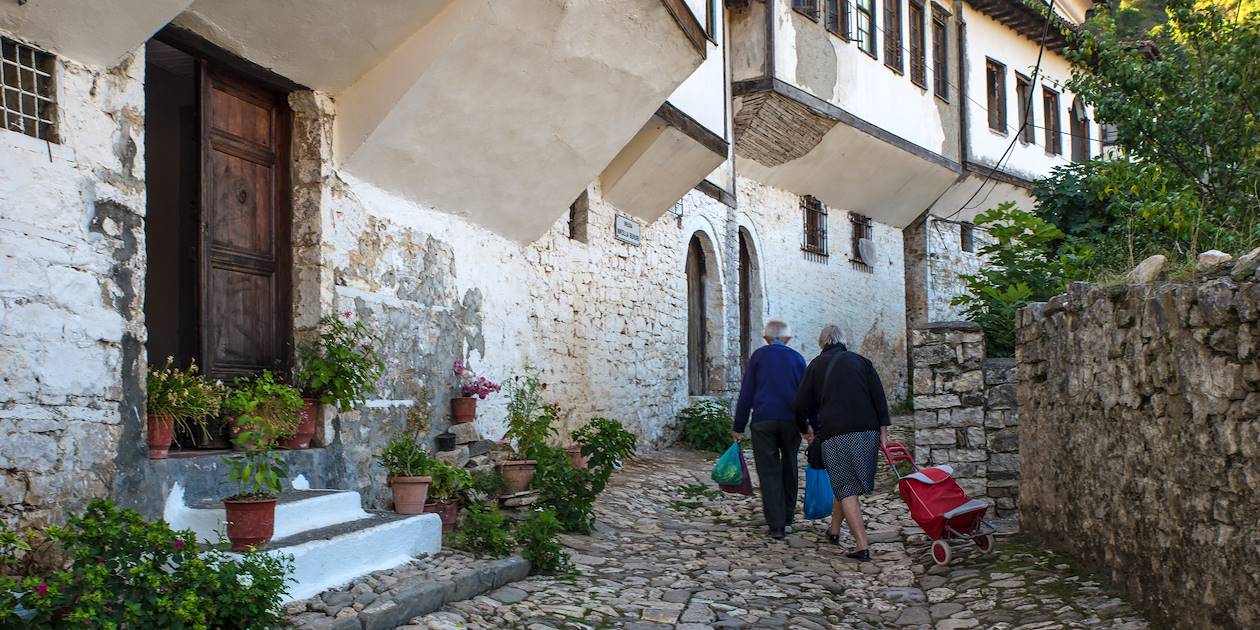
(671,552)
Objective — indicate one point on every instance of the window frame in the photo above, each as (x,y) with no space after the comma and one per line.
(861,227)
(814,229)
(995,93)
(918,45)
(940,52)
(893,58)
(1027,131)
(807,8)
(1078,130)
(580,217)
(40,66)
(967,237)
(837,21)
(867,40)
(1054,120)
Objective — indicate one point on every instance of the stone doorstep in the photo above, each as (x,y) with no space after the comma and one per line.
(419,597)
(297,511)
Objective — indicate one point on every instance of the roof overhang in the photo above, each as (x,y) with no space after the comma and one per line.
(1028,18)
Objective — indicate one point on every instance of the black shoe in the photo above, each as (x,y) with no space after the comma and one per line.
(776,533)
(833,538)
(863,555)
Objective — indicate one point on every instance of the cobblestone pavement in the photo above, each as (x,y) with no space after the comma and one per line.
(670,552)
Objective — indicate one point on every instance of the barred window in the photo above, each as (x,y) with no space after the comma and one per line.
(918,46)
(892,34)
(863,257)
(814,243)
(838,17)
(967,234)
(940,52)
(27,100)
(808,8)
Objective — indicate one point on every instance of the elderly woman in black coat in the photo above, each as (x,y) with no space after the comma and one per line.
(843,401)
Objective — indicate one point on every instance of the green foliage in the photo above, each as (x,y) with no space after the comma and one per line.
(404,457)
(540,545)
(265,409)
(568,492)
(184,395)
(485,532)
(343,364)
(448,481)
(257,472)
(604,441)
(707,426)
(531,423)
(124,572)
(486,485)
(1021,270)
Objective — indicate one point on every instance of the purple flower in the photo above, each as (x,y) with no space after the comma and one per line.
(42,589)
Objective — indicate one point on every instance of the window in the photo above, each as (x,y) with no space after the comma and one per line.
(1079,121)
(1054,125)
(27,101)
(864,31)
(995,87)
(918,48)
(815,241)
(892,34)
(967,236)
(1023,96)
(710,24)
(808,8)
(940,52)
(838,17)
(863,257)
(579,213)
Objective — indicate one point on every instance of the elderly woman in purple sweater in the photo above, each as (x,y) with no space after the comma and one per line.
(774,371)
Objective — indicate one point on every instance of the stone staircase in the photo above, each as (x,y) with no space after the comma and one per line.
(331,537)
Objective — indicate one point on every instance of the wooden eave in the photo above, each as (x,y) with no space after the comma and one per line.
(1028,21)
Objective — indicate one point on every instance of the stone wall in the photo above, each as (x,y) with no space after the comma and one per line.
(1141,436)
(965,413)
(935,264)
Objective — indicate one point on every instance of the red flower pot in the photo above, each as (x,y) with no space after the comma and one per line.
(250,522)
(410,493)
(447,510)
(517,474)
(463,409)
(160,428)
(306,426)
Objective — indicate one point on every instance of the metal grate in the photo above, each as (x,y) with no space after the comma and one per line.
(814,243)
(861,231)
(27,99)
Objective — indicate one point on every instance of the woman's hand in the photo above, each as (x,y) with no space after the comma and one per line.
(883,436)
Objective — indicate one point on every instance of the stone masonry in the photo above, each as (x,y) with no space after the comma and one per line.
(1141,438)
(965,413)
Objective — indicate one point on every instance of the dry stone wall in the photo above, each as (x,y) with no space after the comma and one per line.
(1141,441)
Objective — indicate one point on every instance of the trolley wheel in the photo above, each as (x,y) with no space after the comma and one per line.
(985,543)
(941,552)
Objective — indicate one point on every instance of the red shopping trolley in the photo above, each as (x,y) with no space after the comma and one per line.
(938,504)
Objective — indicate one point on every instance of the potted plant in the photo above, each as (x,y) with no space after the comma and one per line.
(177,397)
(448,484)
(262,408)
(408,465)
(339,368)
(530,425)
(251,512)
(472,386)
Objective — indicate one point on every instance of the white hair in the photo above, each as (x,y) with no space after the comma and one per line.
(831,335)
(777,329)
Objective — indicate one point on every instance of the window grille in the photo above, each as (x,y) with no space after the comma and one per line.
(808,8)
(27,99)
(892,34)
(967,234)
(940,52)
(814,243)
(918,47)
(838,17)
(862,242)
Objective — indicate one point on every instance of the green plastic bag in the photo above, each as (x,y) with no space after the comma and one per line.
(727,470)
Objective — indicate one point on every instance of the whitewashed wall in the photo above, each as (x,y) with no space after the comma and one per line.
(703,96)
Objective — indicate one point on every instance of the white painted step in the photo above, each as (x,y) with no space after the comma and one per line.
(333,556)
(297,511)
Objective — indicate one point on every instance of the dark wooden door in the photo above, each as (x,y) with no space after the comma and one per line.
(745,301)
(697,360)
(244,226)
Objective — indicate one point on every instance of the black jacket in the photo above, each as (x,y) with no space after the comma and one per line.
(848,400)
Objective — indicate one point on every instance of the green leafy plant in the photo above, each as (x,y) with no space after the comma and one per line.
(531,423)
(485,531)
(538,536)
(258,472)
(343,363)
(448,481)
(125,572)
(184,395)
(404,457)
(568,492)
(605,442)
(707,426)
(487,485)
(264,408)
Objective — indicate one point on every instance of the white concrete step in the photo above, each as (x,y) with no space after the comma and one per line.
(333,556)
(297,511)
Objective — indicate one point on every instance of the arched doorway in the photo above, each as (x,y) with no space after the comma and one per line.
(750,296)
(697,324)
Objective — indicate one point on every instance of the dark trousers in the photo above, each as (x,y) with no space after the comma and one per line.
(775,445)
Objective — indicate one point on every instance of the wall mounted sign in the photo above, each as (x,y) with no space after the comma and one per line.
(627,230)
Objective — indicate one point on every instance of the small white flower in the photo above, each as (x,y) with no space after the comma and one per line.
(245,579)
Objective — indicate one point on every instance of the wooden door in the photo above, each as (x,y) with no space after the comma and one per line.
(697,360)
(745,301)
(244,227)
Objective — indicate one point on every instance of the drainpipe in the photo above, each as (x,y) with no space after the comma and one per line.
(963,132)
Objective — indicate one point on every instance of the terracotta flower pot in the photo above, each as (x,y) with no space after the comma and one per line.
(463,409)
(517,473)
(447,510)
(410,493)
(250,522)
(160,428)
(306,426)
(575,457)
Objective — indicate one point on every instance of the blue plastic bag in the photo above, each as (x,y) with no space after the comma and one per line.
(728,470)
(818,494)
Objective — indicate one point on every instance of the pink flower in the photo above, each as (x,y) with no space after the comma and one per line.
(42,589)
(179,544)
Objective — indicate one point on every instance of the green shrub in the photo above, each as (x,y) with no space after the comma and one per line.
(568,492)
(485,532)
(264,407)
(540,545)
(448,481)
(707,426)
(124,572)
(342,366)
(531,423)
(605,442)
(486,485)
(404,457)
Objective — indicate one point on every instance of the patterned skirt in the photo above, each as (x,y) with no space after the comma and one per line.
(851,460)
